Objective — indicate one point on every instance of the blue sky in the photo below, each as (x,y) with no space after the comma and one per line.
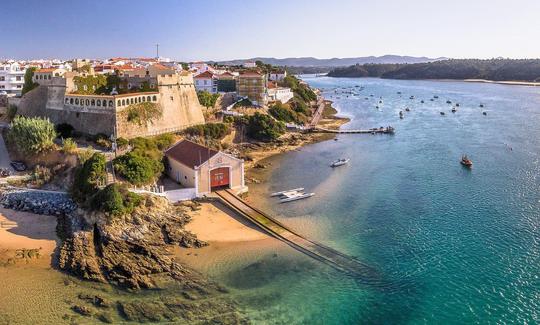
(211,29)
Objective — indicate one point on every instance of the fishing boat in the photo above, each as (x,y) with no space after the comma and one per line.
(412,97)
(422,101)
(449,102)
(465,161)
(481,105)
(295,196)
(400,114)
(431,99)
(340,162)
(435,96)
(484,112)
(457,104)
(442,113)
(407,109)
(454,110)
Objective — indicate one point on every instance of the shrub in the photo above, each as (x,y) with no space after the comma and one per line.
(88,176)
(228,119)
(263,127)
(40,175)
(69,146)
(142,113)
(115,199)
(207,99)
(209,130)
(163,141)
(243,103)
(137,169)
(122,143)
(85,154)
(32,135)
(11,111)
(64,130)
(284,113)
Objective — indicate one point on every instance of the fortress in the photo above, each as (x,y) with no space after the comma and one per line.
(131,103)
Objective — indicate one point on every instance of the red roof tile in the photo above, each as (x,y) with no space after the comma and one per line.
(190,153)
(204,75)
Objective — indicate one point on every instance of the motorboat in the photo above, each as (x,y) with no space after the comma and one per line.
(481,105)
(454,110)
(400,114)
(287,192)
(412,97)
(407,109)
(449,102)
(422,101)
(442,113)
(295,196)
(484,112)
(457,104)
(340,162)
(435,96)
(465,161)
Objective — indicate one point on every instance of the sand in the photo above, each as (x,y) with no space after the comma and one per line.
(20,230)
(214,222)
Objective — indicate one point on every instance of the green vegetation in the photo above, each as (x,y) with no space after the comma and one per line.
(84,154)
(122,143)
(207,99)
(89,85)
(115,199)
(88,176)
(494,69)
(143,113)
(262,127)
(69,146)
(32,135)
(29,83)
(138,169)
(11,111)
(209,130)
(243,103)
(303,95)
(285,113)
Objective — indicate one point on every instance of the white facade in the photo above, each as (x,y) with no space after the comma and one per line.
(206,82)
(277,75)
(11,78)
(250,64)
(280,94)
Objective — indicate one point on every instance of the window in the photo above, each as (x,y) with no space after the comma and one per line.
(119,103)
(76,101)
(131,101)
(49,77)
(18,78)
(87,102)
(98,102)
(172,98)
(148,99)
(110,103)
(71,101)
(2,78)
(2,87)
(19,86)
(123,102)
(155,98)
(77,114)
(67,100)
(144,99)
(152,85)
(57,74)
(85,87)
(93,102)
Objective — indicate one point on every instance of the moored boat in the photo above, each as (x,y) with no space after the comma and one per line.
(340,162)
(465,161)
(442,113)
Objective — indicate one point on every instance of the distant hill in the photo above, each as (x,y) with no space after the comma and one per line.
(494,69)
(334,62)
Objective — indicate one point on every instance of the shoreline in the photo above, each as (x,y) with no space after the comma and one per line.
(500,82)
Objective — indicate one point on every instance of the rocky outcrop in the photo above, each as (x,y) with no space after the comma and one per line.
(133,252)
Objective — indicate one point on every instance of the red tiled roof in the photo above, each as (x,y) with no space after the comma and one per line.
(272,85)
(204,75)
(46,70)
(190,153)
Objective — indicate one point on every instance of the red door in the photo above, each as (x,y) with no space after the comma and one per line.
(219,177)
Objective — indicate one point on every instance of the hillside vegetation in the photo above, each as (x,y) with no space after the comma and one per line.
(495,69)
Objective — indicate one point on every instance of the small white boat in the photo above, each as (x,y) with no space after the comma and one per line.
(295,196)
(287,191)
(340,162)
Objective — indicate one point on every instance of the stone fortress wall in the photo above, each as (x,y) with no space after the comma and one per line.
(92,114)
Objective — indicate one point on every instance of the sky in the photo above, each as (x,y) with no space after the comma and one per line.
(191,30)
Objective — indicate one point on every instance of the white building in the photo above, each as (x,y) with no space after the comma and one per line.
(279,94)
(11,78)
(277,75)
(200,67)
(250,64)
(206,81)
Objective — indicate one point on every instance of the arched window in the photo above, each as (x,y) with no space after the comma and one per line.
(154,98)
(76,101)
(67,100)
(49,77)
(98,102)
(110,103)
(148,98)
(123,102)
(57,74)
(119,103)
(71,101)
(93,102)
(144,99)
(87,102)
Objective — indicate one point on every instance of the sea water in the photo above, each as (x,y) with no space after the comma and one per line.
(452,245)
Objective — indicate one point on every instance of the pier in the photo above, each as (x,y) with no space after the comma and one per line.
(386,130)
(276,229)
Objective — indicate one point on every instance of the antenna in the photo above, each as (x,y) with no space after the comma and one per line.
(157,51)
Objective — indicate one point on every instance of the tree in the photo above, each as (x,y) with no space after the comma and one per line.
(87,178)
(136,169)
(29,83)
(32,134)
(207,99)
(115,199)
(209,130)
(263,127)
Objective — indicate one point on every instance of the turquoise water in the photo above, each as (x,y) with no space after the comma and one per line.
(452,245)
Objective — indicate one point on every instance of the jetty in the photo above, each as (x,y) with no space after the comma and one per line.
(276,229)
(386,130)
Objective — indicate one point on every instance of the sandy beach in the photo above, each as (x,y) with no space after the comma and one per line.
(512,83)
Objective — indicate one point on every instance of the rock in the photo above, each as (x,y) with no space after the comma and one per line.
(83,310)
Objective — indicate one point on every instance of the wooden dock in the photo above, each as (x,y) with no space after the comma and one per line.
(320,252)
(387,130)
